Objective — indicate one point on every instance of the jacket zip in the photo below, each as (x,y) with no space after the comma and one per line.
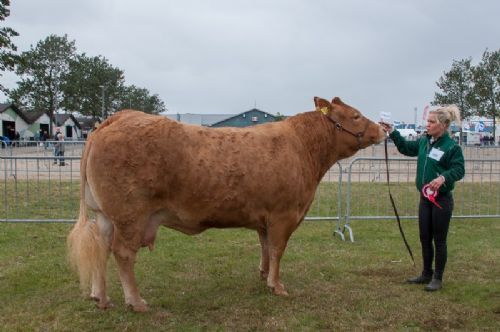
(425,163)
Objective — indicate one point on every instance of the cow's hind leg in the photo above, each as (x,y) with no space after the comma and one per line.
(98,279)
(125,247)
(264,256)
(88,251)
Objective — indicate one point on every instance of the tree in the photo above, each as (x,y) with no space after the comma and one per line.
(279,117)
(133,97)
(42,70)
(91,86)
(486,77)
(54,76)
(7,59)
(457,87)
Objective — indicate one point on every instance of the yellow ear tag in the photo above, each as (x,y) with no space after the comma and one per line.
(324,110)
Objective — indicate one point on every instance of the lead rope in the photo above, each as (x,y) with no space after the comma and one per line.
(394,205)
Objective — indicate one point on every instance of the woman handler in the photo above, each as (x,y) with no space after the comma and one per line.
(440,164)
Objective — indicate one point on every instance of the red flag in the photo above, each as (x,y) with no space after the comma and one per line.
(424,114)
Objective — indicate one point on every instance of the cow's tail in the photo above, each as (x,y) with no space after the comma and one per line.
(88,250)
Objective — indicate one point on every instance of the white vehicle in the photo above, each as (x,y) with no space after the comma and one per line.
(409,134)
(470,137)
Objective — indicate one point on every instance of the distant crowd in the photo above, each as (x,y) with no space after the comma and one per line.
(13,139)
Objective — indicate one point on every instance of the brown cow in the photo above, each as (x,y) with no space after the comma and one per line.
(141,171)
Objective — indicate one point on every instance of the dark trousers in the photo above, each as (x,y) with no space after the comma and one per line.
(61,160)
(433,224)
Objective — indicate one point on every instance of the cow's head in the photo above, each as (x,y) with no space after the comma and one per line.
(359,132)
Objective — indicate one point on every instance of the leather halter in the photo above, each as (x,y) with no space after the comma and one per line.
(359,135)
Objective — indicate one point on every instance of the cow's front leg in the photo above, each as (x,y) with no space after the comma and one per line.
(277,240)
(264,255)
(125,259)
(273,279)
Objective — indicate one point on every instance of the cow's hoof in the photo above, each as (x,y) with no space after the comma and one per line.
(280,291)
(103,305)
(97,298)
(142,306)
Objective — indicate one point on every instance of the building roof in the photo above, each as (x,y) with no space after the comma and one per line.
(87,123)
(61,118)
(4,107)
(32,116)
(241,114)
(198,119)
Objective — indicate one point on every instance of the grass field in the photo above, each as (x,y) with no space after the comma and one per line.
(210,282)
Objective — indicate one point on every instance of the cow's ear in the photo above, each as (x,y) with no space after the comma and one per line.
(322,105)
(337,101)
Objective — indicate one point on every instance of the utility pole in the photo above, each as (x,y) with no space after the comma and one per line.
(415,121)
(103,87)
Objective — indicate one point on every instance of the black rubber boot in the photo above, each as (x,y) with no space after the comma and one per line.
(434,285)
(421,279)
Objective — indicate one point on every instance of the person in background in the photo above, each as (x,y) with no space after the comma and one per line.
(56,152)
(440,164)
(45,137)
(59,149)
(58,131)
(17,138)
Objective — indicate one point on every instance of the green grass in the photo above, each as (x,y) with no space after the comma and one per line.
(210,282)
(40,200)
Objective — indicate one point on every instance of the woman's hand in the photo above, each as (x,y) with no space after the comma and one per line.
(437,183)
(386,126)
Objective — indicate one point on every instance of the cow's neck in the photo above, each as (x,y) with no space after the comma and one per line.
(321,140)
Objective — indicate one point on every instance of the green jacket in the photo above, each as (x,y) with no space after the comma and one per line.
(442,157)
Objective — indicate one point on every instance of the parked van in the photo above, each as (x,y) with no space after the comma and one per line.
(471,138)
(409,134)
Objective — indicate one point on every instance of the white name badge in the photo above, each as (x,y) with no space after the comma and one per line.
(436,154)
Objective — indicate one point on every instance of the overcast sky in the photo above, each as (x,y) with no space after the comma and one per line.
(227,56)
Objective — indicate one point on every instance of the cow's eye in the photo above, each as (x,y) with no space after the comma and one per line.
(357,117)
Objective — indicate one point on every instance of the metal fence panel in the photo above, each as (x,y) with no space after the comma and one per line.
(327,204)
(477,195)
(37,189)
(469,151)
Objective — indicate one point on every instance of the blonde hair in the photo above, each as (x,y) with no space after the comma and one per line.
(447,114)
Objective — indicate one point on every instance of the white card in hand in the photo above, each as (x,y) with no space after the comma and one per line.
(385,117)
